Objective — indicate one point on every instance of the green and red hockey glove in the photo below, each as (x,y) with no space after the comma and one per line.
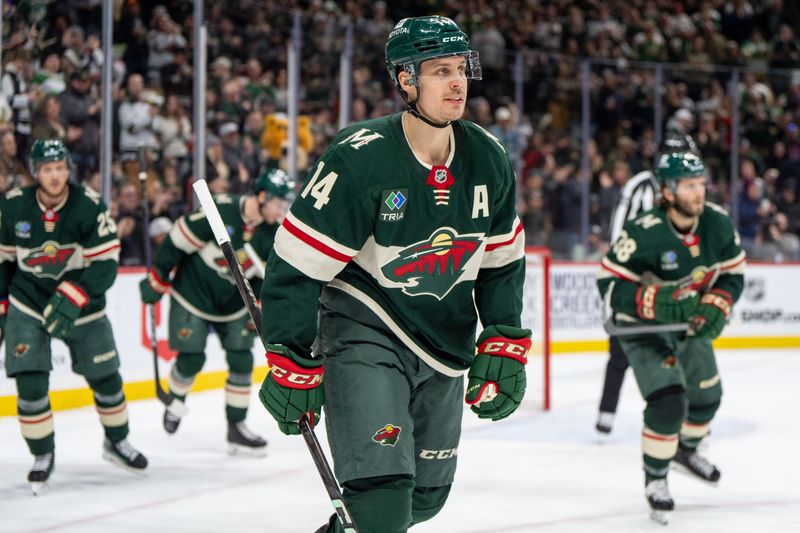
(153,287)
(709,317)
(497,379)
(63,308)
(3,311)
(666,304)
(292,388)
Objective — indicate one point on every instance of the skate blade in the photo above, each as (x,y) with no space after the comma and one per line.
(685,471)
(114,460)
(237,450)
(660,517)
(39,487)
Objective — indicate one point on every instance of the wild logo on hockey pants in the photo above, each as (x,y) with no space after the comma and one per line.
(387,435)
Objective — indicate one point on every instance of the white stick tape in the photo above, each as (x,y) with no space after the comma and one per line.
(212,213)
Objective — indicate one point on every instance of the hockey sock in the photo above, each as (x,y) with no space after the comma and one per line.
(426,502)
(697,424)
(181,377)
(111,406)
(33,411)
(663,416)
(237,386)
(379,504)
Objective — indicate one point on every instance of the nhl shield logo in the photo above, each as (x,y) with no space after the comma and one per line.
(433,266)
(440,176)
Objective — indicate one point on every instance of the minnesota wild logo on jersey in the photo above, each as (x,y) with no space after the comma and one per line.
(50,259)
(433,266)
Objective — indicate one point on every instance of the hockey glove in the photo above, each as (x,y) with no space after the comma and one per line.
(3,311)
(497,376)
(666,304)
(63,308)
(153,286)
(292,388)
(709,317)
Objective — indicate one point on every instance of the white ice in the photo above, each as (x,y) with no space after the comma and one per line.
(542,472)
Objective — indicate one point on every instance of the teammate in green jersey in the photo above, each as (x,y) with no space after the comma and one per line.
(680,262)
(58,256)
(403,235)
(203,295)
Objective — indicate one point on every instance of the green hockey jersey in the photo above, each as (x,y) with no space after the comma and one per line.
(418,250)
(39,248)
(202,283)
(650,250)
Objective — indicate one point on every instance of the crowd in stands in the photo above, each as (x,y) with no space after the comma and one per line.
(51,86)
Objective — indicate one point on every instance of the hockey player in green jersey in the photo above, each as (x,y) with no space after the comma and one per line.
(58,257)
(404,234)
(203,295)
(680,262)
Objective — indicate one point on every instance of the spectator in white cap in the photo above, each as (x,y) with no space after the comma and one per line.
(510,135)
(234,157)
(681,123)
(159,229)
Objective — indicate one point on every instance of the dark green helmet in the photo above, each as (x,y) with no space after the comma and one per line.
(44,151)
(276,183)
(414,40)
(675,166)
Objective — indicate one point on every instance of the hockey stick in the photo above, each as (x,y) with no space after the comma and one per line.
(246,292)
(616,331)
(176,407)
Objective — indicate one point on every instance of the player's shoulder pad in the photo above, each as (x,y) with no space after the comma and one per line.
(646,221)
(717,214)
(17,193)
(482,138)
(365,136)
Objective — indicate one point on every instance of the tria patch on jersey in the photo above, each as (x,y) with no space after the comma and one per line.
(387,435)
(23,229)
(50,259)
(393,205)
(669,260)
(441,180)
(433,266)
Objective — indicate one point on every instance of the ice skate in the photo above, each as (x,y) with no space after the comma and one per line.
(40,472)
(690,462)
(242,441)
(605,422)
(661,503)
(125,456)
(171,422)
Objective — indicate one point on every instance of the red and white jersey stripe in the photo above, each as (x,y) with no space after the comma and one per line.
(314,254)
(506,248)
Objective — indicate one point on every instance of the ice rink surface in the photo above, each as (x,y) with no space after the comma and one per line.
(537,472)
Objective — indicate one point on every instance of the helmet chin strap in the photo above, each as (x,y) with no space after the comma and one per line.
(412,108)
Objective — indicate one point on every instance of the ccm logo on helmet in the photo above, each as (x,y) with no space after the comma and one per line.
(453,39)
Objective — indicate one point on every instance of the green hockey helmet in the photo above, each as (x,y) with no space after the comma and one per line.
(417,39)
(276,183)
(46,150)
(675,166)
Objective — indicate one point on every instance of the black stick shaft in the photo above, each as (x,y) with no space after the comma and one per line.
(161,394)
(250,301)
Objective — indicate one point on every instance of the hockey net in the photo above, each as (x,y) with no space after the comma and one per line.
(536,316)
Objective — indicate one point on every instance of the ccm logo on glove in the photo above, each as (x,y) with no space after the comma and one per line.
(289,374)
